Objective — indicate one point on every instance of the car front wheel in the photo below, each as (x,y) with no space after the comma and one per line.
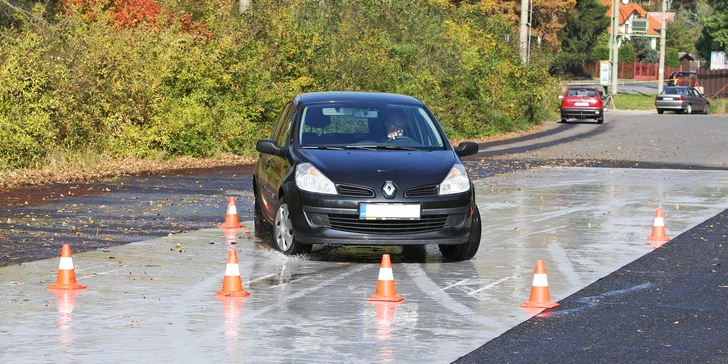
(706,110)
(283,236)
(467,250)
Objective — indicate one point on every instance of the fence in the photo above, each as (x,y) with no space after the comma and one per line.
(714,82)
(638,71)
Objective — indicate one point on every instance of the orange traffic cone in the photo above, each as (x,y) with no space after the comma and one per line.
(231,217)
(658,237)
(540,297)
(386,291)
(66,274)
(232,285)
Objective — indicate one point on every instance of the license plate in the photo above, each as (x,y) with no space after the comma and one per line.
(667,98)
(581,104)
(386,211)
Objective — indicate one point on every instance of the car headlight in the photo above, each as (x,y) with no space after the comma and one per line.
(310,179)
(457,181)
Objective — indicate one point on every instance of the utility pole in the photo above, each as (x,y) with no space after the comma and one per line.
(524,31)
(615,45)
(663,30)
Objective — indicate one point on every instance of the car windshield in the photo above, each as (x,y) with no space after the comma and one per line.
(368,126)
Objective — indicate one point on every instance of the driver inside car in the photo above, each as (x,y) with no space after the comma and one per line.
(395,125)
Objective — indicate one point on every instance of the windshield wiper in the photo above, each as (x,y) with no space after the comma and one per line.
(322,147)
(380,146)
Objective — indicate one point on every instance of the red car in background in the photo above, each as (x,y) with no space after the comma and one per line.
(582,102)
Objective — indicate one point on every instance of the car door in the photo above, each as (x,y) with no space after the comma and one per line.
(281,165)
(700,100)
(267,179)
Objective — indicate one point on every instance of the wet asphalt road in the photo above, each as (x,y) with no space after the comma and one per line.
(669,306)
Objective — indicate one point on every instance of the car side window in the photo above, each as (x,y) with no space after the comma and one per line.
(286,123)
(280,121)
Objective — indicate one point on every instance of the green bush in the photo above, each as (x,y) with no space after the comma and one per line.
(626,53)
(672,57)
(600,54)
(212,80)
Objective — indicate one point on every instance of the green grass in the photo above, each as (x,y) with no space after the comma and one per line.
(719,106)
(634,102)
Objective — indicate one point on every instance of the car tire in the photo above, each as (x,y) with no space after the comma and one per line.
(263,230)
(706,109)
(689,109)
(563,120)
(284,238)
(467,250)
(600,120)
(660,111)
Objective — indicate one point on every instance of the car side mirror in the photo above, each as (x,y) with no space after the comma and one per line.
(269,146)
(465,149)
(561,97)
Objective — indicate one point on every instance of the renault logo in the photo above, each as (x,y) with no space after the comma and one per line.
(389,189)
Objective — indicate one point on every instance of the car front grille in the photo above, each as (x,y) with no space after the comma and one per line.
(421,191)
(355,191)
(352,223)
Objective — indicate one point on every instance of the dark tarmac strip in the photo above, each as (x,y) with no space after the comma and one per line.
(670,306)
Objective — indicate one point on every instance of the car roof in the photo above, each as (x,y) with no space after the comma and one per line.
(338,96)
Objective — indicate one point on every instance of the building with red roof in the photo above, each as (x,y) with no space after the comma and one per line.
(632,21)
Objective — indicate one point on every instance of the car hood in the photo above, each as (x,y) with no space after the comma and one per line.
(374,167)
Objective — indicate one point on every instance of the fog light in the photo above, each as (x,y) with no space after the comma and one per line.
(315,220)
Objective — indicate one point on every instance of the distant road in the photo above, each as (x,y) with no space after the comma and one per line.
(640,136)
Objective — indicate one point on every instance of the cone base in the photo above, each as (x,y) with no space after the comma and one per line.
(532,304)
(232,294)
(66,286)
(658,243)
(654,238)
(394,298)
(230,226)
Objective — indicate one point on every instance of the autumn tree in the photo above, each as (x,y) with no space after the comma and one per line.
(549,16)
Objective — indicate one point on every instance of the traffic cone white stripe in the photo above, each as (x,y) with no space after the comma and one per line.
(385,274)
(66,263)
(232,210)
(540,280)
(232,270)
(659,221)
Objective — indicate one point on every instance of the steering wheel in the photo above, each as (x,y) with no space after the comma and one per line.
(400,138)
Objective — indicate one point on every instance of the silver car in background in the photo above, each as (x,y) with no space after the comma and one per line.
(682,99)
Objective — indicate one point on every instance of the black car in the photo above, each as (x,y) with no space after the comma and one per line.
(361,168)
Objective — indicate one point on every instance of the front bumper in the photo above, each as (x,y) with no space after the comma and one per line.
(335,220)
(582,113)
